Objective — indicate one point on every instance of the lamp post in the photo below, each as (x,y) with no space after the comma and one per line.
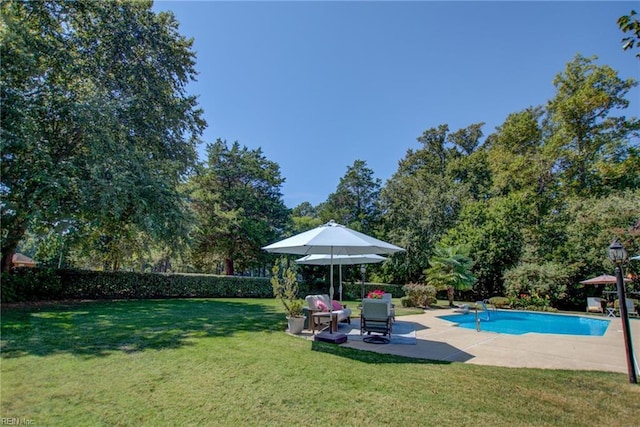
(363,270)
(618,256)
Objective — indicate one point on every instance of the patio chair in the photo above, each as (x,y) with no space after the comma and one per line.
(387,297)
(594,305)
(375,317)
(631,308)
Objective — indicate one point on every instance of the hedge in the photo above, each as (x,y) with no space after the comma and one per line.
(34,284)
(43,284)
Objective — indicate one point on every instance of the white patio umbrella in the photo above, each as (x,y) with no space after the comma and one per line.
(332,239)
(340,260)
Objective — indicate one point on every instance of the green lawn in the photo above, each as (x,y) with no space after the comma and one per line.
(229,362)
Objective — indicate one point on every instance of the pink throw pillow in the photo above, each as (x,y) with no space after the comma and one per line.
(322,306)
(336,305)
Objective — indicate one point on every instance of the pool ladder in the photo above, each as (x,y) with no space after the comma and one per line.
(482,304)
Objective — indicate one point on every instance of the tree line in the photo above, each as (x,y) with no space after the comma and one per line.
(100,169)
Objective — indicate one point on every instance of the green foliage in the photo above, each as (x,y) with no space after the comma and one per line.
(500,302)
(284,284)
(583,128)
(20,285)
(97,127)
(536,284)
(451,270)
(355,202)
(591,225)
(491,231)
(629,24)
(425,196)
(533,302)
(418,295)
(237,200)
(32,284)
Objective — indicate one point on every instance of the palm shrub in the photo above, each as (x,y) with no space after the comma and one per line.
(450,269)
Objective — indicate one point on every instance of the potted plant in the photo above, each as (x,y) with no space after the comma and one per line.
(285,288)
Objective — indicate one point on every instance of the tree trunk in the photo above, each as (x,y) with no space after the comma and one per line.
(7,261)
(228,267)
(10,242)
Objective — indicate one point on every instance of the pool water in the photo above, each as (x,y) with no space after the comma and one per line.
(522,322)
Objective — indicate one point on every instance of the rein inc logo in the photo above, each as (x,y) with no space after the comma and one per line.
(16,421)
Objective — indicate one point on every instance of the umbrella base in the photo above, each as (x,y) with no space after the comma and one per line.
(334,338)
(376,339)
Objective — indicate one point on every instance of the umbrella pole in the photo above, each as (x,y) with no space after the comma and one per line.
(340,284)
(331,295)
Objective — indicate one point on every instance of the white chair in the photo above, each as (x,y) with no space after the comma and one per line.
(462,308)
(375,316)
(594,305)
(387,297)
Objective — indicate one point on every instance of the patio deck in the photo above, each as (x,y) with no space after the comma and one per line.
(438,339)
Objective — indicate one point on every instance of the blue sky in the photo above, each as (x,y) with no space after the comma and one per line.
(318,85)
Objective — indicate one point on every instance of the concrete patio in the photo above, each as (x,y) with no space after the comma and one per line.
(438,339)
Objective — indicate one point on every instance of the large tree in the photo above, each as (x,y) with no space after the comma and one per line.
(425,195)
(355,201)
(237,199)
(492,232)
(582,126)
(96,125)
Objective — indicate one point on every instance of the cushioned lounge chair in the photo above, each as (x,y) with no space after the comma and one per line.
(387,297)
(594,305)
(375,317)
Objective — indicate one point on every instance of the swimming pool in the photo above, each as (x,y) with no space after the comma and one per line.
(522,322)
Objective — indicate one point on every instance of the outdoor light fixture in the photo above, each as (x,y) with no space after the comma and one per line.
(618,256)
(617,253)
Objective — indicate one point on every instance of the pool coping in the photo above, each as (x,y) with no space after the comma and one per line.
(441,340)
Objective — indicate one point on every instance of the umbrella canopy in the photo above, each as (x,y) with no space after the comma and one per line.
(332,239)
(341,260)
(605,279)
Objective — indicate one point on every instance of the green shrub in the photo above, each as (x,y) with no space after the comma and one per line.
(22,285)
(546,282)
(419,295)
(500,302)
(32,284)
(532,302)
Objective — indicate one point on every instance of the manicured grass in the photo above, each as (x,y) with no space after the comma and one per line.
(229,362)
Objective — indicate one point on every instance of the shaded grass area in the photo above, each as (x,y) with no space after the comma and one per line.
(228,362)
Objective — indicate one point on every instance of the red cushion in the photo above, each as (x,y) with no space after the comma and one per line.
(336,305)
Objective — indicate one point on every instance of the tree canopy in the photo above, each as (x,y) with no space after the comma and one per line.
(96,124)
(237,199)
